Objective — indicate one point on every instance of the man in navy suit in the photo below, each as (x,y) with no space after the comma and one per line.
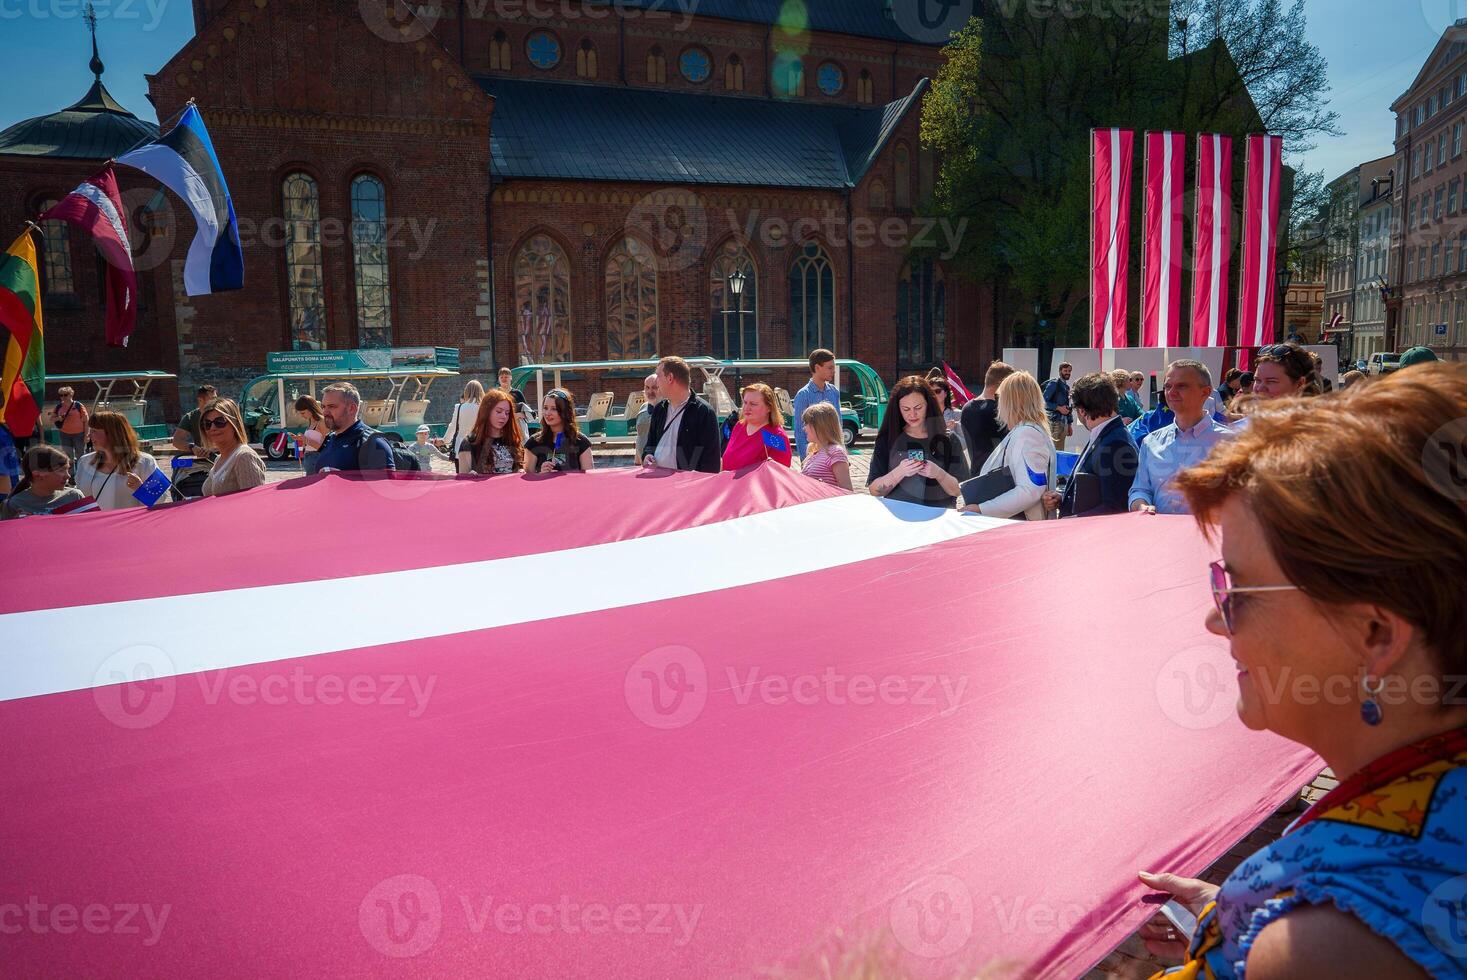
(1102,478)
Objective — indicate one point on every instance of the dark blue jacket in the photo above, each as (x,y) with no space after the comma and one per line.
(354,448)
(1112,462)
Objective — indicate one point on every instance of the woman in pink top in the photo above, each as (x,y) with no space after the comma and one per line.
(759,433)
(827,460)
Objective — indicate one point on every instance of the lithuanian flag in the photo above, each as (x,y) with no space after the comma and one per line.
(23,375)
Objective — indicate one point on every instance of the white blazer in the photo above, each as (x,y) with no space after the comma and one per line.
(1028,452)
(464,413)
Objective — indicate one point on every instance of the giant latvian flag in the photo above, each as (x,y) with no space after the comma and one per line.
(23,377)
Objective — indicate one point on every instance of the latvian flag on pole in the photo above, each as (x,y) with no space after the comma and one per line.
(96,208)
(1260,233)
(1110,234)
(1161,258)
(1212,240)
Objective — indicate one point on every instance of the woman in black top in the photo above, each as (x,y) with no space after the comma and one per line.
(915,458)
(493,446)
(558,446)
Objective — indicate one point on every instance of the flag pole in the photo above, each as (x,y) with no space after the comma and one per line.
(162,128)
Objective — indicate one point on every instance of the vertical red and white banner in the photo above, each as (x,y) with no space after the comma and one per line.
(1212,240)
(1110,234)
(1161,252)
(1265,156)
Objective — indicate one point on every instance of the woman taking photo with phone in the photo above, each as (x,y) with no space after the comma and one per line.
(308,411)
(915,459)
(759,432)
(117,465)
(558,446)
(493,444)
(238,467)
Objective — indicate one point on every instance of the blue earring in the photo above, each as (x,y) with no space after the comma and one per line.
(1370,711)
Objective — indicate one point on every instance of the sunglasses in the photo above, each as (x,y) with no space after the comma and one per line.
(1274,350)
(218,422)
(1223,591)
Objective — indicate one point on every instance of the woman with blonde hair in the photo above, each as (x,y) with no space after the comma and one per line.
(238,467)
(1353,646)
(465,416)
(494,444)
(827,460)
(759,432)
(1027,454)
(116,466)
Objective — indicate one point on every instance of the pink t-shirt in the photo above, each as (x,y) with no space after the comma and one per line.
(821,465)
(746,450)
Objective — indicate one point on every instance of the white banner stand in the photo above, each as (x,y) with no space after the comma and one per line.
(1023,359)
(1083,360)
(1330,355)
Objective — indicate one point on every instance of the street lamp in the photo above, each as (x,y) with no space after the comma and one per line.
(736,282)
(1282,278)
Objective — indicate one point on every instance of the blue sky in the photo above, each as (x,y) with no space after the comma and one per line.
(1374,50)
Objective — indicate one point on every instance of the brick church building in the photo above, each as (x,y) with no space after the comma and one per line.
(527,182)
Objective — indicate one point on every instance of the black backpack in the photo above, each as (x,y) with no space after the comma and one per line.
(405,459)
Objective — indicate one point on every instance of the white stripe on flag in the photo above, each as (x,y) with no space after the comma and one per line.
(1215,330)
(174,172)
(67,649)
(1110,252)
(103,203)
(1263,238)
(1163,335)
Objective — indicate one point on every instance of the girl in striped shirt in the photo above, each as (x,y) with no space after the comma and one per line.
(827,460)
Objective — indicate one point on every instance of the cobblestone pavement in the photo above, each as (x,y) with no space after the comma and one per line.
(1130,961)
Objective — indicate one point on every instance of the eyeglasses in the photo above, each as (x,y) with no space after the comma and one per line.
(1223,589)
(217,422)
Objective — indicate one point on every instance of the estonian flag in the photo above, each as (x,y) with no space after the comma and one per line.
(183,160)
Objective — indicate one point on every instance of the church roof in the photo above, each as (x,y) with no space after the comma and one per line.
(558,130)
(862,18)
(95,127)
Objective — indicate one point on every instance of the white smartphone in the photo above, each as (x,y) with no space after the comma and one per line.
(1184,921)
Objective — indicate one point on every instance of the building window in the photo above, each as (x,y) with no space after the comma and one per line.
(863,87)
(1415,162)
(542,301)
(1441,149)
(1452,196)
(1457,323)
(631,301)
(1410,265)
(1411,214)
(926,172)
(301,207)
(830,78)
(812,301)
(1462,252)
(586,60)
(499,52)
(369,261)
(1456,140)
(1436,256)
(1441,198)
(789,75)
(877,200)
(1431,107)
(543,50)
(733,74)
(56,255)
(656,67)
(1448,260)
(902,165)
(735,316)
(695,64)
(921,315)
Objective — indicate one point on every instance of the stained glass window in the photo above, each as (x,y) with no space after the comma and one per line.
(543,50)
(921,316)
(56,260)
(302,210)
(735,317)
(542,301)
(369,261)
(812,301)
(695,64)
(631,301)
(830,78)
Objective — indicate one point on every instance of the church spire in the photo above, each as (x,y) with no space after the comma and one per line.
(96,63)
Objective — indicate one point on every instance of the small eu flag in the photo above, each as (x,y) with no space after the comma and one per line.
(154,487)
(776,441)
(1065,463)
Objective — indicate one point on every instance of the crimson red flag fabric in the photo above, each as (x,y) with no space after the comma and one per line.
(1161,256)
(961,394)
(1261,203)
(620,724)
(1110,234)
(1212,240)
(96,208)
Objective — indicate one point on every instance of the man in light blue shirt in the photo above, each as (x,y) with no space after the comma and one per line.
(821,388)
(1185,442)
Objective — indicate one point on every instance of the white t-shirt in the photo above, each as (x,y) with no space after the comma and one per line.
(111,489)
(666,455)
